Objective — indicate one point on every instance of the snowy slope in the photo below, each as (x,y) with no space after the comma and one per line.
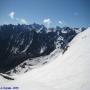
(70,71)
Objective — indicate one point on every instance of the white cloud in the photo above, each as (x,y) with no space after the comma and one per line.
(23,21)
(12,14)
(19,20)
(60,22)
(47,22)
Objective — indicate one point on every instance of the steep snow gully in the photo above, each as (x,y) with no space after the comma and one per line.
(70,71)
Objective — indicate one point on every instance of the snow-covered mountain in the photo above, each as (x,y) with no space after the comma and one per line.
(20,45)
(69,71)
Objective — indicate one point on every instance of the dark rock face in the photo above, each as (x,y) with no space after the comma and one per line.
(20,42)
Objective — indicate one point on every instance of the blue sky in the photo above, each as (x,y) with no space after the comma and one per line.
(74,13)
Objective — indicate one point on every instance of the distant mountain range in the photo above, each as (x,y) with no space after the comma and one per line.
(19,43)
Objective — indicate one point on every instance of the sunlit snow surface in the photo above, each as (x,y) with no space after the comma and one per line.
(70,71)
